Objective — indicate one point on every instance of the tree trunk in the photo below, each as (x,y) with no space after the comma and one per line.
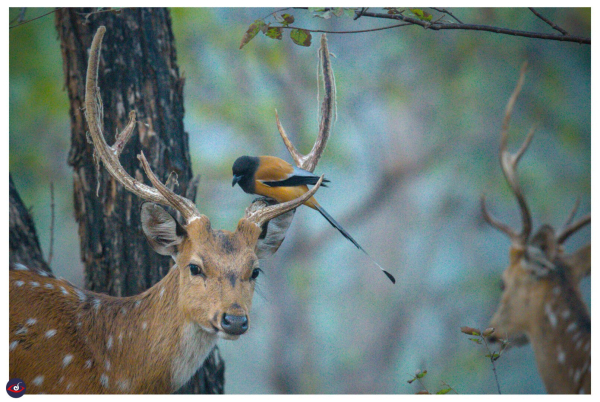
(138,71)
(24,246)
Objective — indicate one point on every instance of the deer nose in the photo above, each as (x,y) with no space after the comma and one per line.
(234,324)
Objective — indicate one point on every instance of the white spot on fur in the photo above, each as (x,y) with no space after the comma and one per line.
(137,303)
(43,273)
(13,345)
(577,375)
(20,267)
(144,325)
(578,344)
(561,355)
(38,380)
(551,315)
(67,360)
(61,379)
(109,342)
(120,338)
(96,303)
(51,333)
(49,286)
(581,390)
(81,295)
(162,292)
(571,327)
(34,284)
(123,385)
(31,321)
(556,290)
(88,364)
(19,283)
(104,380)
(587,347)
(107,365)
(63,290)
(123,310)
(20,331)
(565,314)
(69,385)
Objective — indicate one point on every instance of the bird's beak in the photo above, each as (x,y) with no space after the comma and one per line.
(236,178)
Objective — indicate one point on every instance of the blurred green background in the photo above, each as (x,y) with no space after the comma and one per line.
(417,107)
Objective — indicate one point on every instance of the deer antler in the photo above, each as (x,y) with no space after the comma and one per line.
(309,162)
(264,215)
(110,155)
(509,162)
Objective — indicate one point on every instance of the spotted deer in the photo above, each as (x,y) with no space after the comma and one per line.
(68,340)
(541,301)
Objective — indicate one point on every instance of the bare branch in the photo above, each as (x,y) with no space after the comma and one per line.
(438,26)
(445,11)
(547,21)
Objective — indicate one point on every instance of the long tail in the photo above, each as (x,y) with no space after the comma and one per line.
(339,227)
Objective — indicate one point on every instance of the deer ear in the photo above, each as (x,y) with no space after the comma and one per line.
(273,232)
(162,231)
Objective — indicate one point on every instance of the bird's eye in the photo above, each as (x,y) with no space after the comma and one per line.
(195,270)
(255,273)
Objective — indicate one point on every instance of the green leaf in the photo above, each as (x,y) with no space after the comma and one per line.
(422,15)
(301,37)
(422,374)
(476,340)
(252,31)
(274,32)
(288,19)
(338,11)
(349,12)
(443,391)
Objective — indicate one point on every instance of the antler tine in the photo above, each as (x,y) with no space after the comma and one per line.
(496,223)
(266,214)
(309,162)
(110,155)
(568,230)
(509,161)
(183,205)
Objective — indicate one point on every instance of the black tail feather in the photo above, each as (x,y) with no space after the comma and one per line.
(339,227)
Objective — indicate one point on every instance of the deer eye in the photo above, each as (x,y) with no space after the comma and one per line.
(195,270)
(255,273)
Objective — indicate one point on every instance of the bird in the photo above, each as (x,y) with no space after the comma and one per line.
(275,178)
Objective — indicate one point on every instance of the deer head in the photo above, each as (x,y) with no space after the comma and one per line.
(217,268)
(540,300)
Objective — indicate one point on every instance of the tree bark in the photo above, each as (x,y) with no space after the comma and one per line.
(138,71)
(24,246)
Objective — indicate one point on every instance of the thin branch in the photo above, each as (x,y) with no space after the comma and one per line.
(33,19)
(491,354)
(547,21)
(51,247)
(474,27)
(347,32)
(443,10)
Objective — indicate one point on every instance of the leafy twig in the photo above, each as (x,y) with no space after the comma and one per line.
(481,337)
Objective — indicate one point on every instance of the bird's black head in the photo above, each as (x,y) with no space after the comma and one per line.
(243,169)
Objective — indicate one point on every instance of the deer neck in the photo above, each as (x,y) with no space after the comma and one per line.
(561,340)
(144,339)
